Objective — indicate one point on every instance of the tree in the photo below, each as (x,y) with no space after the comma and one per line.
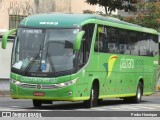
(148,14)
(112,5)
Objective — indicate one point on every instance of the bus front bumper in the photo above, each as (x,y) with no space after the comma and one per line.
(67,93)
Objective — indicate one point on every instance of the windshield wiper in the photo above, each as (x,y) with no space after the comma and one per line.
(68,44)
(31,62)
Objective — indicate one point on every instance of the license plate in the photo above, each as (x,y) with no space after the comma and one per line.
(38,94)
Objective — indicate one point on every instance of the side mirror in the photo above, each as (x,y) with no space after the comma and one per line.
(78,40)
(5,37)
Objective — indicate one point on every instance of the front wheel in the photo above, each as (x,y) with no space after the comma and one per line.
(37,103)
(92,102)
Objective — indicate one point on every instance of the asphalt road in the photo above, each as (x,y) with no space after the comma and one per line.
(149,103)
(109,107)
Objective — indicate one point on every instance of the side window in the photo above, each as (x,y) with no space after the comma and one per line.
(133,38)
(101,39)
(158,45)
(106,39)
(143,44)
(124,46)
(112,40)
(153,42)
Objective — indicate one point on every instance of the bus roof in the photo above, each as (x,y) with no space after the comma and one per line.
(50,20)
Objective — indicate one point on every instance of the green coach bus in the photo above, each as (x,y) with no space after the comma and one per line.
(82,57)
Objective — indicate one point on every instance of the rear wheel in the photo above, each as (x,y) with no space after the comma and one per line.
(37,103)
(137,98)
(92,102)
(99,102)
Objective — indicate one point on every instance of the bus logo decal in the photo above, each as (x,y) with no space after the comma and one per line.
(109,65)
(129,63)
(39,86)
(48,23)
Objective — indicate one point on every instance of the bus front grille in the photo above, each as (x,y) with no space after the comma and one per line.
(39,86)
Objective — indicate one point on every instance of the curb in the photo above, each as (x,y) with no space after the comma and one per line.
(157,93)
(4,93)
(158,87)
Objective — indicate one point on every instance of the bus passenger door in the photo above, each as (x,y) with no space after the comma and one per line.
(84,53)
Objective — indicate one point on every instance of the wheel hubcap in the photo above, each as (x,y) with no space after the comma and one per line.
(139,94)
(92,95)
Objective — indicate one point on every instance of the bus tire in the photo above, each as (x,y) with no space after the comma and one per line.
(99,102)
(137,98)
(37,103)
(92,102)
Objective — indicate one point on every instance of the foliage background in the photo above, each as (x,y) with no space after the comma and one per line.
(146,12)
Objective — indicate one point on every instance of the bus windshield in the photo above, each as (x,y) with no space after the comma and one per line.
(44,50)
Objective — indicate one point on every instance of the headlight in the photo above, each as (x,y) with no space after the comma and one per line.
(68,83)
(15,82)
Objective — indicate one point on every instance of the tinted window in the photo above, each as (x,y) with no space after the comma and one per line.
(124,46)
(101,39)
(115,40)
(143,44)
(153,42)
(133,38)
(106,39)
